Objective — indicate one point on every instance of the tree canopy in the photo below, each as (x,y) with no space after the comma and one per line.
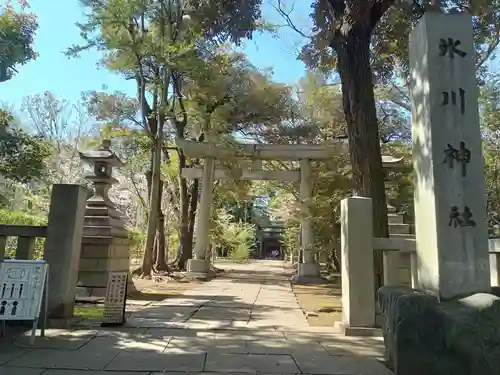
(17,34)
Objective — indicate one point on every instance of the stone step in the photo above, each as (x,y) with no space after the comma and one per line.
(90,231)
(399,228)
(402,235)
(103,211)
(395,218)
(103,221)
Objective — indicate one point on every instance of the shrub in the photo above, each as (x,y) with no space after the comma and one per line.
(137,238)
(240,238)
(22,218)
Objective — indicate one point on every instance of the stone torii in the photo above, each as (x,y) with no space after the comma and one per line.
(198,266)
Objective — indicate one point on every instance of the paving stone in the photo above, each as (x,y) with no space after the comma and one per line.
(168,313)
(314,336)
(64,341)
(140,322)
(283,347)
(226,313)
(366,347)
(66,359)
(80,372)
(7,370)
(8,353)
(181,302)
(205,345)
(196,373)
(230,304)
(339,365)
(157,362)
(179,333)
(136,343)
(253,363)
(250,335)
(120,332)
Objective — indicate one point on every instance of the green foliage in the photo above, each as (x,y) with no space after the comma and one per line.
(289,239)
(21,154)
(17,33)
(390,37)
(21,218)
(137,238)
(237,237)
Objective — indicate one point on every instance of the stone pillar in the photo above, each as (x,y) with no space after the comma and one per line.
(198,266)
(307,266)
(358,282)
(63,247)
(105,244)
(450,207)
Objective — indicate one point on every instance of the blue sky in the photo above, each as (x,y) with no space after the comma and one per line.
(67,78)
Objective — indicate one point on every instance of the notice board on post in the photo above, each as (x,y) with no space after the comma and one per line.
(116,299)
(23,286)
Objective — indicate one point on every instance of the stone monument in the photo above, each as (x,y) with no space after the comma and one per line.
(105,244)
(451,325)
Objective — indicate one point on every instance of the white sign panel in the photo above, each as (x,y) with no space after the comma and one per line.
(21,289)
(114,304)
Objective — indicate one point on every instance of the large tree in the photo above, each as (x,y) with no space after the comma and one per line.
(365,42)
(17,33)
(22,156)
(155,43)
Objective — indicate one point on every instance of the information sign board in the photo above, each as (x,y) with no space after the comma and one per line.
(116,299)
(23,286)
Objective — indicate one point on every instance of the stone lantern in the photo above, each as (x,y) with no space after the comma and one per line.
(399,263)
(390,164)
(103,160)
(105,244)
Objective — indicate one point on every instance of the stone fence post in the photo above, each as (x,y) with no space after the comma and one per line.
(62,247)
(358,281)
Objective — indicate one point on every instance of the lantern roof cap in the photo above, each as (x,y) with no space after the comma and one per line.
(102,153)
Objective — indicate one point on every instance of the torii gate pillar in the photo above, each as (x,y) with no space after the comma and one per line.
(199,266)
(307,266)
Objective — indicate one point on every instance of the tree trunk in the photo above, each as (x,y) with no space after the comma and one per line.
(353,54)
(193,206)
(160,263)
(149,176)
(185,248)
(147,260)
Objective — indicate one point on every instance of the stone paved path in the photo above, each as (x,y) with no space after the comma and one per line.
(247,321)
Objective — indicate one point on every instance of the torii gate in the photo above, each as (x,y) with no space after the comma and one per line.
(198,266)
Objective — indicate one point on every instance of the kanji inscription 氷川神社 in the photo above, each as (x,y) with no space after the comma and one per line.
(450,214)
(449,46)
(462,155)
(461,219)
(453,94)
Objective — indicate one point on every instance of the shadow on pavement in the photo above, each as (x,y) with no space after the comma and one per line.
(234,324)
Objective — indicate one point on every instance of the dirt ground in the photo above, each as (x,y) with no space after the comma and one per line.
(320,300)
(141,295)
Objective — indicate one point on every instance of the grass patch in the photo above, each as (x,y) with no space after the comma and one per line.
(89,311)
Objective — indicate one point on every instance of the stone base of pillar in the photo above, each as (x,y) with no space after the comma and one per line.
(346,330)
(306,273)
(307,270)
(198,269)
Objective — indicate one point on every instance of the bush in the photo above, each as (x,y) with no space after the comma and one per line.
(240,238)
(137,239)
(22,218)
